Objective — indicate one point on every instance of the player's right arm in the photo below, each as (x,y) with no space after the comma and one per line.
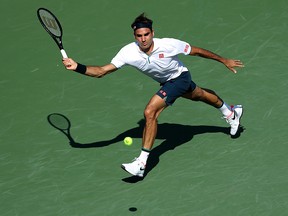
(93,71)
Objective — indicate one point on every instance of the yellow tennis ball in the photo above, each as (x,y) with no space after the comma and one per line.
(128,141)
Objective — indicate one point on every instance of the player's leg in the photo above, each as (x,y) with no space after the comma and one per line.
(205,95)
(153,109)
(231,114)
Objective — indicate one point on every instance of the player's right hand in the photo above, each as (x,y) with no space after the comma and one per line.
(69,64)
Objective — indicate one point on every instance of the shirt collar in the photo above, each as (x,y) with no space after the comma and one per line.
(155,48)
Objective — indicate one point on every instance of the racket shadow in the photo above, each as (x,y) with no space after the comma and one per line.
(63,124)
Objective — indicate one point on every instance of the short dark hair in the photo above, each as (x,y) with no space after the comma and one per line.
(142,22)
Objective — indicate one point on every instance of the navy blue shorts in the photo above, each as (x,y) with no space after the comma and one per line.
(175,88)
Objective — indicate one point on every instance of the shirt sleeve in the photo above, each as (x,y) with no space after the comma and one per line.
(179,47)
(119,59)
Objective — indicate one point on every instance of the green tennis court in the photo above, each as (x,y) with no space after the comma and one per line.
(195,168)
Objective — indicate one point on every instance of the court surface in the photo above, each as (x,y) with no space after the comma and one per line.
(195,168)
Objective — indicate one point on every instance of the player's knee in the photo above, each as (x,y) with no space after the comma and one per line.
(198,94)
(149,113)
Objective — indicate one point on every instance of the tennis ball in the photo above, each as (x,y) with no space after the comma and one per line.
(128,141)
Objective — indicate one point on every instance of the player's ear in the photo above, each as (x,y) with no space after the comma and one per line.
(153,32)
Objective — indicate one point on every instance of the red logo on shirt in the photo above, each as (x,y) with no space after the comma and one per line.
(161,55)
(186,48)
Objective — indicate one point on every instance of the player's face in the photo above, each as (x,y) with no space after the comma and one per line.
(144,37)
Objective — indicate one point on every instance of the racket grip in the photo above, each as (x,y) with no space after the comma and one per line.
(63,53)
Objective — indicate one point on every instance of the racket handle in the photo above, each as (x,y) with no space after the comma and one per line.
(63,53)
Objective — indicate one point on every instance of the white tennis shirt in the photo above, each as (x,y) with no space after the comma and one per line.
(161,65)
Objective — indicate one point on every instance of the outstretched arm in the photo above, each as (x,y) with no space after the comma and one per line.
(93,71)
(229,63)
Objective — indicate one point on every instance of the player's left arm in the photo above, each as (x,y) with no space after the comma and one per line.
(229,63)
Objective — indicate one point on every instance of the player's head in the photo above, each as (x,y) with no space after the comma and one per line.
(143,32)
(142,22)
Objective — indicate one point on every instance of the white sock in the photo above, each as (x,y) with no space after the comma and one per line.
(225,110)
(144,155)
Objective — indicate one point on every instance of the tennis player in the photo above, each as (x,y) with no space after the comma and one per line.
(158,58)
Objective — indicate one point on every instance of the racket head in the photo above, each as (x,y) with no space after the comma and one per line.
(50,22)
(59,122)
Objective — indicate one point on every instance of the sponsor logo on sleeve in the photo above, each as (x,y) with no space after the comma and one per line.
(186,48)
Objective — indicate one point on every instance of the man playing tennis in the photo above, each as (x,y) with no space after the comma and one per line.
(158,59)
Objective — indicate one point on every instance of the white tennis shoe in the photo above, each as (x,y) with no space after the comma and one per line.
(234,118)
(135,168)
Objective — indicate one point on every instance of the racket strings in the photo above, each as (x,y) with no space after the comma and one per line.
(50,22)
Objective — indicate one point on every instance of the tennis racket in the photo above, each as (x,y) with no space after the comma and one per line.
(61,123)
(52,25)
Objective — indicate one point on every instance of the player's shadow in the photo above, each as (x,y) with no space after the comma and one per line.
(173,135)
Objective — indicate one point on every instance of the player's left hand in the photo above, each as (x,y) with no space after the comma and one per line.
(231,64)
